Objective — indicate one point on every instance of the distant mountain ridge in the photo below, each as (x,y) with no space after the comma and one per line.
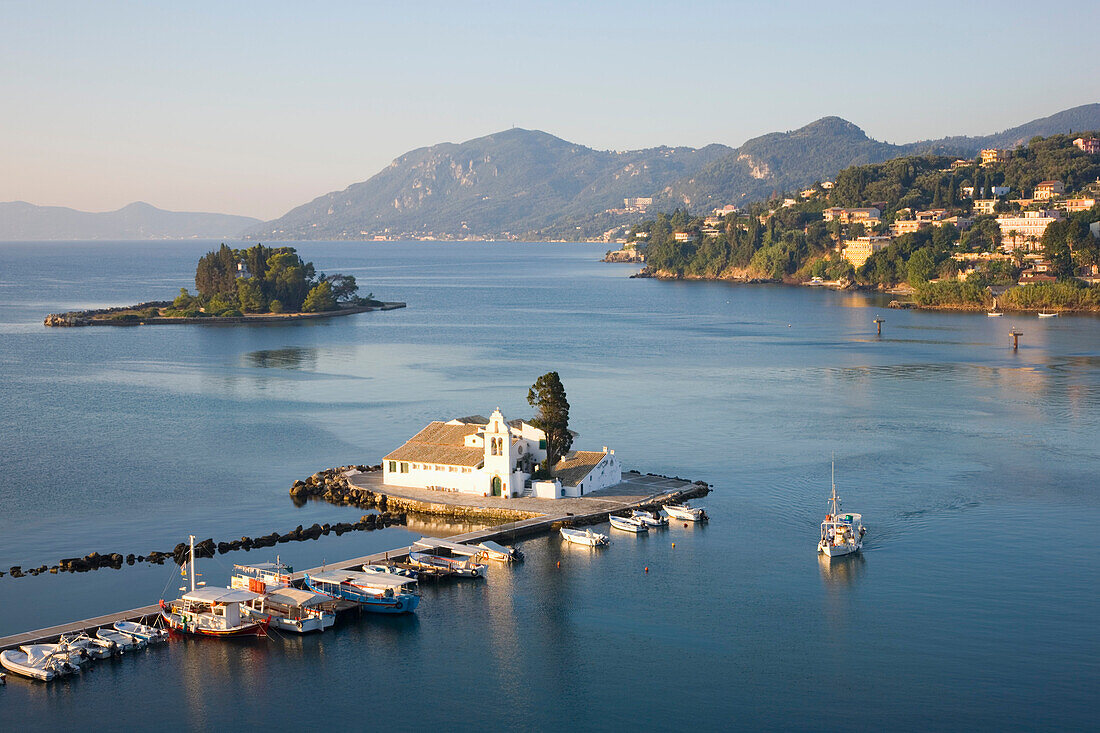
(519,183)
(21,221)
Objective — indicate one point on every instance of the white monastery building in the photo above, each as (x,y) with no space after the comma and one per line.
(494,457)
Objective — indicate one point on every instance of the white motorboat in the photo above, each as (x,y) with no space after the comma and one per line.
(123,642)
(627,524)
(584,537)
(141,631)
(466,567)
(93,648)
(685,512)
(841,534)
(391,570)
(1048,315)
(37,661)
(650,519)
(495,551)
(211,611)
(994,314)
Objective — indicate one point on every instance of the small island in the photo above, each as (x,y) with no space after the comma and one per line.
(255,285)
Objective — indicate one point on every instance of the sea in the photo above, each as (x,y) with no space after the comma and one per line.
(973,606)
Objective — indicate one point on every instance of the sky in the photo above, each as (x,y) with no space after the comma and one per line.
(254,108)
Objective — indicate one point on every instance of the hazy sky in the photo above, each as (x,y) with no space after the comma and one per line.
(256,108)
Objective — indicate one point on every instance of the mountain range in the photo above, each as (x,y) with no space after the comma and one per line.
(529,184)
(20,221)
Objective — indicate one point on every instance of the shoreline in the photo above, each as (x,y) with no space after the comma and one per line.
(76,319)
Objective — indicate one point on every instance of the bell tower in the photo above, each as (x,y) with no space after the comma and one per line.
(499,455)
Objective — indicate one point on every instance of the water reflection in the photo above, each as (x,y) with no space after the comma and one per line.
(290,358)
(840,573)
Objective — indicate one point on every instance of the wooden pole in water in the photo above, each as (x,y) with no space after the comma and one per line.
(879,322)
(1016,339)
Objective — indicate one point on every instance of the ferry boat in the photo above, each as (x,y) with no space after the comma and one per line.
(290,609)
(374,592)
(584,537)
(211,611)
(841,534)
(627,524)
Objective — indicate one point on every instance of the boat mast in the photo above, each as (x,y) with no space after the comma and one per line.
(834,500)
(192,573)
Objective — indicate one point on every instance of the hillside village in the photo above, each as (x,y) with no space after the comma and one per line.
(1007,217)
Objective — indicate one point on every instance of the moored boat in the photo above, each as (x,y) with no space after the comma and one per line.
(150,634)
(494,551)
(466,567)
(841,534)
(627,524)
(650,519)
(211,611)
(374,592)
(584,537)
(390,570)
(685,512)
(37,662)
(293,609)
(1047,315)
(123,642)
(94,648)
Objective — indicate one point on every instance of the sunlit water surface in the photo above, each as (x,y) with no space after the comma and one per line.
(974,604)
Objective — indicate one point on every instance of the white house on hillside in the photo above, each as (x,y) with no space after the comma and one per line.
(494,457)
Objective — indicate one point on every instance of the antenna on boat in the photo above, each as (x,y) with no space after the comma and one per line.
(192,573)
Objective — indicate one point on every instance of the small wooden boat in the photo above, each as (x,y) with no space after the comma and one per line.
(584,537)
(1048,315)
(374,592)
(685,512)
(123,642)
(141,631)
(650,519)
(627,524)
(461,567)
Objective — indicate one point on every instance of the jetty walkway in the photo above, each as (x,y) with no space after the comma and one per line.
(634,492)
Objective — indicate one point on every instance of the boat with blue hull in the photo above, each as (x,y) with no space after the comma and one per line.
(374,592)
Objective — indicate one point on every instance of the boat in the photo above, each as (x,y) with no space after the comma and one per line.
(584,537)
(94,648)
(1047,315)
(293,609)
(841,534)
(650,519)
(683,511)
(374,592)
(123,642)
(37,661)
(390,570)
(467,567)
(494,551)
(627,524)
(211,611)
(141,631)
(994,314)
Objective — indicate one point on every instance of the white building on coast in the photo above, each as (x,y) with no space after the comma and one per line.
(494,457)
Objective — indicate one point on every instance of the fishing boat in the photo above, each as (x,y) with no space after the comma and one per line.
(123,642)
(141,631)
(211,611)
(374,592)
(627,524)
(293,609)
(584,537)
(466,567)
(685,512)
(37,662)
(841,534)
(650,519)
(1047,315)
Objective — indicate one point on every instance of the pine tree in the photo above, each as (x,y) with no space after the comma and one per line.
(548,395)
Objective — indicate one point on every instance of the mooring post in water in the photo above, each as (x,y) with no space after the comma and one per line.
(1016,339)
(879,322)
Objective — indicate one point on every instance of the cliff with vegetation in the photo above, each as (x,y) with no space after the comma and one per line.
(787,239)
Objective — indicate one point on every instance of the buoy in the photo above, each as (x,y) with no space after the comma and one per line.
(647,570)
(559,563)
(685,525)
(674,545)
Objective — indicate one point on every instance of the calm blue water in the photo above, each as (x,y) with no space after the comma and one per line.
(974,604)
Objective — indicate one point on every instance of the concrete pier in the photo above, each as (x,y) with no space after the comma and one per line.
(636,491)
